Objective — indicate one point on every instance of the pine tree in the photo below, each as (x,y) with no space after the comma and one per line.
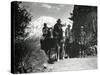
(21,19)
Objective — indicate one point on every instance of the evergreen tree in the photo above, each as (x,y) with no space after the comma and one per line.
(21,19)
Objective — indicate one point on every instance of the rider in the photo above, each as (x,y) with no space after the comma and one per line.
(67,33)
(58,30)
(58,34)
(45,30)
(67,39)
(45,34)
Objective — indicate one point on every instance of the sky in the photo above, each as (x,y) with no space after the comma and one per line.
(37,10)
(47,13)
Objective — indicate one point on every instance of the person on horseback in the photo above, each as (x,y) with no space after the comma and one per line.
(58,30)
(67,39)
(58,35)
(68,32)
(45,30)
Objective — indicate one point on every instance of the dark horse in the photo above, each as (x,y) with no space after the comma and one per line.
(51,45)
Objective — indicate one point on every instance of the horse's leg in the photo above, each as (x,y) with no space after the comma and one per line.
(63,52)
(65,48)
(80,51)
(49,55)
(67,51)
(58,49)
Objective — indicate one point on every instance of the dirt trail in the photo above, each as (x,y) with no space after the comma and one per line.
(73,64)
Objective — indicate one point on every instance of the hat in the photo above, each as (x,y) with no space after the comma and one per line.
(59,20)
(45,24)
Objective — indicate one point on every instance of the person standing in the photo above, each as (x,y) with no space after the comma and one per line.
(82,41)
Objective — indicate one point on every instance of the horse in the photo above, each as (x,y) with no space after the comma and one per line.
(52,45)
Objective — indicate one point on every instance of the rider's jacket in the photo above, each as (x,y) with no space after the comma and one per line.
(58,31)
(45,31)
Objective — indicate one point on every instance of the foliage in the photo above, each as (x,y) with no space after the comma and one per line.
(27,53)
(21,18)
(85,16)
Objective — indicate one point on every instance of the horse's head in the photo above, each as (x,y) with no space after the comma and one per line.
(63,34)
(51,32)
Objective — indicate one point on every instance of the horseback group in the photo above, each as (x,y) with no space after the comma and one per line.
(63,43)
(53,41)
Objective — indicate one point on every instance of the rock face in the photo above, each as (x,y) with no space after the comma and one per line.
(85,16)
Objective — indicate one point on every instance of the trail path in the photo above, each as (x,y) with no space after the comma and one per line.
(74,64)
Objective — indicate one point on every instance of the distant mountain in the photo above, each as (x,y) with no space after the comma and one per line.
(37,25)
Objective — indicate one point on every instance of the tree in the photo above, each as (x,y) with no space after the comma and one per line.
(21,19)
(84,16)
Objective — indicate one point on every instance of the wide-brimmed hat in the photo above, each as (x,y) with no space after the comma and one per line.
(45,24)
(59,20)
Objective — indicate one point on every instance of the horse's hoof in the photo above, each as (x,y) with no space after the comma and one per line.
(63,58)
(57,59)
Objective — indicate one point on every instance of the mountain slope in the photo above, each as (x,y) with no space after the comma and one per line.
(37,25)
